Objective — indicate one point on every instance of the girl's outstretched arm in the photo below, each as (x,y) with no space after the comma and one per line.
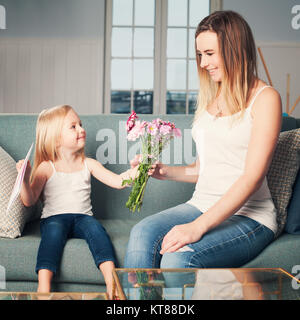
(108,177)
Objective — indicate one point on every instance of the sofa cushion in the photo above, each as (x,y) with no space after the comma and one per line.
(282,253)
(282,173)
(293,211)
(289,123)
(18,256)
(13,221)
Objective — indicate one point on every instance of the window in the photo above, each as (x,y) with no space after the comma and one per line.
(132,56)
(150,64)
(182,82)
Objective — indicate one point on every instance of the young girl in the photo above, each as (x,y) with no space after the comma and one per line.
(62,176)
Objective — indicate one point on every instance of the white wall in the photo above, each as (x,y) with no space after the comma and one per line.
(270,21)
(52,53)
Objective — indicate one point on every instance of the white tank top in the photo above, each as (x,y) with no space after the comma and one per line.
(222,149)
(67,193)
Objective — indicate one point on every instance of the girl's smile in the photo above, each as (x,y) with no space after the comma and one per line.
(81,137)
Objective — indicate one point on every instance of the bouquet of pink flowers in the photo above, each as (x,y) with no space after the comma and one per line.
(154,135)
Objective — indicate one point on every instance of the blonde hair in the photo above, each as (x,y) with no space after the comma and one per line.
(48,135)
(238,52)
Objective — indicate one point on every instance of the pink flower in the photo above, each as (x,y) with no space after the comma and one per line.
(136,131)
(141,127)
(165,129)
(131,121)
(177,132)
(157,122)
(152,128)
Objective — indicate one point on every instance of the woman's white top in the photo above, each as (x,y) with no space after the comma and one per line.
(67,193)
(222,149)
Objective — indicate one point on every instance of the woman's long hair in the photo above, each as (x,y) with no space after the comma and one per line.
(238,52)
(48,135)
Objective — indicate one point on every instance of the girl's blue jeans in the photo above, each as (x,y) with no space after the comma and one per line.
(55,231)
(231,244)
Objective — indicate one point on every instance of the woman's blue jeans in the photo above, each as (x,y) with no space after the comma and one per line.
(231,244)
(55,231)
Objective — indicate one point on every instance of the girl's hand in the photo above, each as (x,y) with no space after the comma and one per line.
(136,161)
(134,172)
(28,169)
(179,236)
(157,170)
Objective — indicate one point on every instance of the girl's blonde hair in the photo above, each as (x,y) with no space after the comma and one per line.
(48,135)
(238,52)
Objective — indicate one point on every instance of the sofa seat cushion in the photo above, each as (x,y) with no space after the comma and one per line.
(77,263)
(281,253)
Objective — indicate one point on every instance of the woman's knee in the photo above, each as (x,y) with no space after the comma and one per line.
(141,237)
(137,230)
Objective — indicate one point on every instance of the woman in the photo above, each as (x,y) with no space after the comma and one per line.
(231,217)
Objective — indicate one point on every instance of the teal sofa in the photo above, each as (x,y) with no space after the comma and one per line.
(106,141)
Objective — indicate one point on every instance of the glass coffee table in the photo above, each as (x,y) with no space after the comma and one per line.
(4,295)
(206,284)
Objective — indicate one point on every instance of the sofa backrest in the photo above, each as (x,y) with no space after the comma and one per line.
(106,142)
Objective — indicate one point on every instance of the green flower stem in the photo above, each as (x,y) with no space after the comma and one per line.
(138,187)
(141,194)
(136,196)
